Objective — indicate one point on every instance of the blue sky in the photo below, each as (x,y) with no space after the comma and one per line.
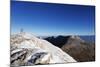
(52,19)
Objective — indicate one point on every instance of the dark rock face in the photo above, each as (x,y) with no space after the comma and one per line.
(37,56)
(58,41)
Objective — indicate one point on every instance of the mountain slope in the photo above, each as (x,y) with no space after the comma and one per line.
(79,49)
(27,49)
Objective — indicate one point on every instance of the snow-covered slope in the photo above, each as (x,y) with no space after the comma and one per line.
(26,49)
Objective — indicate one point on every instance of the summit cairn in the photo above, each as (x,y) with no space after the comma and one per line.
(22,31)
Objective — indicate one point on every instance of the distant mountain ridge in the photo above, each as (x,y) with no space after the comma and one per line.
(88,38)
(61,40)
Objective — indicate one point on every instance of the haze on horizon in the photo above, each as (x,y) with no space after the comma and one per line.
(52,19)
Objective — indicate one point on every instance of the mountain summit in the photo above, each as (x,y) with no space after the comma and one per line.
(26,49)
(74,40)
